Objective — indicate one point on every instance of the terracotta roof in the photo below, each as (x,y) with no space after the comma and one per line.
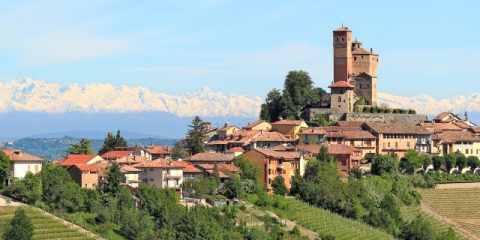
(288,122)
(75,159)
(252,125)
(271,137)
(441,116)
(383,128)
(280,147)
(313,131)
(278,154)
(191,169)
(337,149)
(131,159)
(127,168)
(159,149)
(228,167)
(227,127)
(457,136)
(102,167)
(361,51)
(341,84)
(86,168)
(218,142)
(342,128)
(461,124)
(356,124)
(311,148)
(116,154)
(235,150)
(18,155)
(351,135)
(475,130)
(160,163)
(211,157)
(440,127)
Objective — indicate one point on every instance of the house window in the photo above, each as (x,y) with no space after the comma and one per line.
(319,138)
(151,179)
(305,139)
(343,39)
(408,144)
(466,151)
(389,144)
(36,168)
(337,39)
(396,145)
(28,167)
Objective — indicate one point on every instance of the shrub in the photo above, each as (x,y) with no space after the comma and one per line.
(412,111)
(20,227)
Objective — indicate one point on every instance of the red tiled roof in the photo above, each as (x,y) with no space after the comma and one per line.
(311,148)
(351,135)
(271,137)
(313,131)
(441,116)
(341,84)
(277,154)
(116,154)
(457,136)
(102,167)
(130,159)
(86,168)
(280,147)
(159,163)
(475,130)
(337,149)
(191,169)
(288,122)
(75,159)
(211,157)
(127,168)
(461,125)
(159,149)
(18,155)
(383,128)
(235,150)
(440,127)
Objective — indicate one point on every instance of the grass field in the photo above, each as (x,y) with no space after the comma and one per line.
(45,227)
(324,222)
(457,205)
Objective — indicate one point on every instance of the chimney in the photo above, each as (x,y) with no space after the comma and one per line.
(466,116)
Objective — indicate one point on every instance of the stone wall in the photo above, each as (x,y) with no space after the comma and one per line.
(391,118)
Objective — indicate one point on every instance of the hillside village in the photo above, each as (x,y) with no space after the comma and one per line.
(213,165)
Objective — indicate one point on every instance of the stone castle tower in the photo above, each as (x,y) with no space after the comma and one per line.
(355,71)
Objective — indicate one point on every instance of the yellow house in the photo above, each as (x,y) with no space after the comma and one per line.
(459,141)
(311,135)
(226,131)
(290,128)
(260,125)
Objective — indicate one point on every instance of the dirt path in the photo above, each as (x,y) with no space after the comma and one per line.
(458,185)
(288,223)
(469,235)
(4,202)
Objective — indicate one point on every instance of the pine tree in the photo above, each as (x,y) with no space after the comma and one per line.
(111,142)
(83,147)
(114,179)
(178,152)
(20,228)
(196,136)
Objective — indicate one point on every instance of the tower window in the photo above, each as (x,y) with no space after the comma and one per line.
(343,39)
(339,99)
(354,58)
(337,39)
(360,85)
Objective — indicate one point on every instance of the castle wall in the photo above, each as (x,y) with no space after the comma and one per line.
(389,118)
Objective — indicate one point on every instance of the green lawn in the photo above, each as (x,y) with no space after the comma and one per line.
(45,227)
(324,222)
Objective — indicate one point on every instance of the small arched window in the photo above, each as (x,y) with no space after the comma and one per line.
(339,98)
(337,39)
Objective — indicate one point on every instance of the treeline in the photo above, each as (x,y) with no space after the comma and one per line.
(375,199)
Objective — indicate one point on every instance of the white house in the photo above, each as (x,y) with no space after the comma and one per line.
(21,163)
(131,175)
(162,173)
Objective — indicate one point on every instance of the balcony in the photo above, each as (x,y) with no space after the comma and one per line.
(169,177)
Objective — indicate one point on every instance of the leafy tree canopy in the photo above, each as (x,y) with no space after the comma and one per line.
(83,147)
(111,142)
(4,169)
(20,227)
(196,136)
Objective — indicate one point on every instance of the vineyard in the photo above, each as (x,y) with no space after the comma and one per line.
(45,227)
(326,223)
(458,205)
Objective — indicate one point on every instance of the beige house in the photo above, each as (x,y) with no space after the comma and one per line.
(290,128)
(260,125)
(85,175)
(131,175)
(226,131)
(459,141)
(162,173)
(395,139)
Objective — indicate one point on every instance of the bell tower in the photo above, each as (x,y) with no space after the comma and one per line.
(342,54)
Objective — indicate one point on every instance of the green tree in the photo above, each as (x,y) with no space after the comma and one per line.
(114,178)
(290,110)
(178,152)
(450,161)
(461,162)
(196,136)
(278,186)
(111,142)
(473,162)
(272,109)
(300,88)
(4,169)
(83,147)
(384,164)
(426,161)
(324,156)
(233,188)
(419,229)
(137,225)
(247,169)
(28,190)
(437,162)
(411,162)
(20,227)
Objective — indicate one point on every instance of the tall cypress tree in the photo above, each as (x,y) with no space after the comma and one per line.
(111,142)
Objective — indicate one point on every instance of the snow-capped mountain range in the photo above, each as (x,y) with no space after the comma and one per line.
(29,95)
(39,96)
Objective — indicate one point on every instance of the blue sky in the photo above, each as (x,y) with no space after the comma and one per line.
(244,47)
